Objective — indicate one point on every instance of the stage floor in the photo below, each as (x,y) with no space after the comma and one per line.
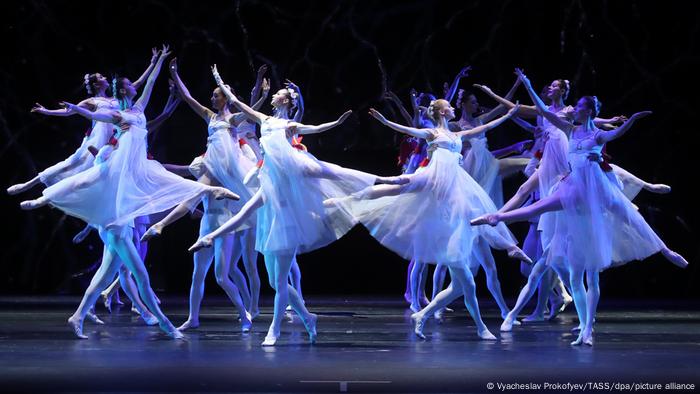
(364,345)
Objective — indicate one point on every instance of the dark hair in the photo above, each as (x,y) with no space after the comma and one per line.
(566,85)
(117,84)
(89,81)
(592,103)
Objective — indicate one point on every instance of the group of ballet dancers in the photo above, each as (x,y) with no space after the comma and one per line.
(263,192)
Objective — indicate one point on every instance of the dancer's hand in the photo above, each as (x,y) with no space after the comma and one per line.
(71,108)
(289,84)
(204,242)
(521,75)
(165,52)
(464,72)
(39,109)
(414,96)
(154,55)
(217,76)
(618,119)
(262,70)
(514,110)
(265,86)
(640,115)
(344,116)
(485,88)
(377,115)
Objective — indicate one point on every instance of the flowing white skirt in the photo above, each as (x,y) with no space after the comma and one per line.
(293,218)
(125,186)
(429,220)
(599,227)
(483,167)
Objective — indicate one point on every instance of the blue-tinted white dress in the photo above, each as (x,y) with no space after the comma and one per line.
(82,159)
(598,227)
(293,218)
(483,166)
(111,194)
(429,220)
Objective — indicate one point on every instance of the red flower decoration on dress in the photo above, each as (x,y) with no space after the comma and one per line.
(424,163)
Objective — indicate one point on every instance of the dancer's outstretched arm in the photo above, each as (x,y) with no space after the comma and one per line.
(107,116)
(203,112)
(40,109)
(298,128)
(154,58)
(526,111)
(463,73)
(466,134)
(500,107)
(148,88)
(265,87)
(252,114)
(412,131)
(608,136)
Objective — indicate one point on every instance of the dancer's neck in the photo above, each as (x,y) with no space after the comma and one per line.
(281,113)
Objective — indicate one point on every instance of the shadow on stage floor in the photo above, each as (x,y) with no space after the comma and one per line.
(364,345)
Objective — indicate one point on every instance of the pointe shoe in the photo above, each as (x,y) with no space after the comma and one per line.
(518,254)
(76,326)
(201,244)
(507,325)
(30,204)
(414,308)
(188,324)
(134,310)
(578,341)
(118,300)
(559,306)
(16,189)
(310,325)
(270,340)
(170,330)
(394,180)
(486,334)
(149,319)
(153,231)
(658,188)
(289,316)
(92,316)
(418,325)
(677,259)
(107,301)
(588,340)
(221,193)
(254,314)
(246,322)
(438,315)
(490,219)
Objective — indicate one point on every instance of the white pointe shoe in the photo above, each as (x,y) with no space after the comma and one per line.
(16,189)
(518,254)
(107,301)
(487,335)
(490,219)
(92,316)
(418,325)
(507,325)
(188,324)
(171,331)
(270,340)
(220,193)
(153,231)
(76,326)
(201,244)
(31,204)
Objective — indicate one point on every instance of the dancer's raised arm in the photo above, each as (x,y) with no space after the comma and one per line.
(198,108)
(450,93)
(40,109)
(488,116)
(257,88)
(243,107)
(154,58)
(148,88)
(298,128)
(299,100)
(265,87)
(488,126)
(608,136)
(541,107)
(528,111)
(412,131)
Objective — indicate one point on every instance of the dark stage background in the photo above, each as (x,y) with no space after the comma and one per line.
(634,55)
